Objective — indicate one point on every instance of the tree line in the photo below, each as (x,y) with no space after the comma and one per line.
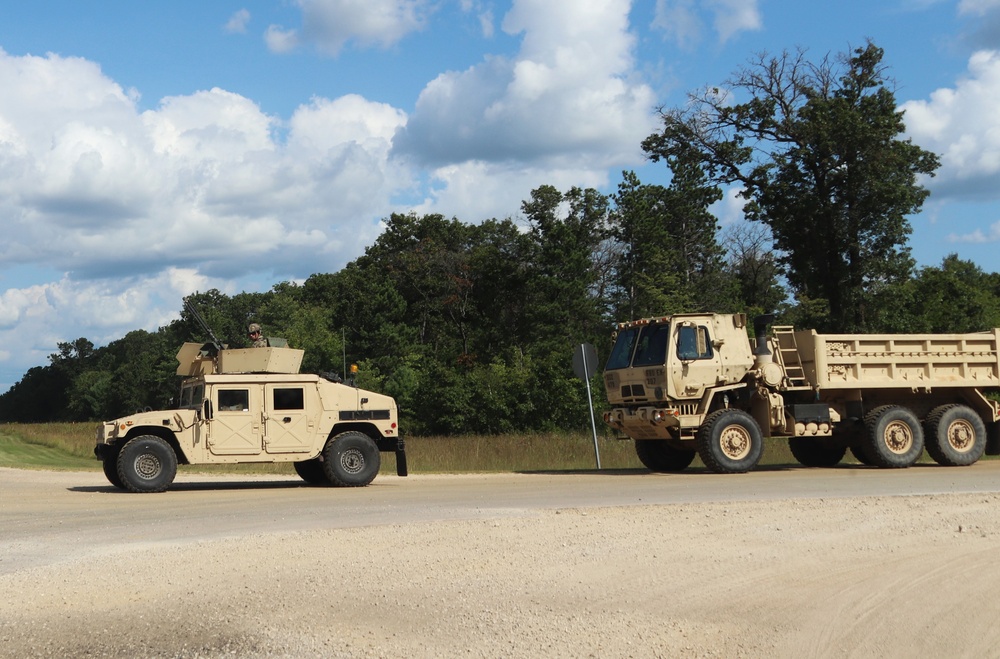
(471,327)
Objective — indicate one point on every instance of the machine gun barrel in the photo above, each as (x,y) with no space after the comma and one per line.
(216,343)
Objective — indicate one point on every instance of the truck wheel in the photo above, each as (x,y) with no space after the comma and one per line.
(147,464)
(816,452)
(110,462)
(894,437)
(955,435)
(730,442)
(659,456)
(311,471)
(859,454)
(351,459)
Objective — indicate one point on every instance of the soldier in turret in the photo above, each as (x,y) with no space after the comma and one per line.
(256,338)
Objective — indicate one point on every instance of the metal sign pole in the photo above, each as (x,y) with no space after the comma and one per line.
(590,404)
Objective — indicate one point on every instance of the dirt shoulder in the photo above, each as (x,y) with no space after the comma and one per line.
(868,576)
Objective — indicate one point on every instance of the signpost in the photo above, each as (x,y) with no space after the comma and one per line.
(584,366)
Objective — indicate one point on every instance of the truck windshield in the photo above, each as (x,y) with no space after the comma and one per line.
(640,346)
(652,346)
(621,354)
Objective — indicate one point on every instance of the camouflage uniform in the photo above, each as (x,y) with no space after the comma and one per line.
(259,341)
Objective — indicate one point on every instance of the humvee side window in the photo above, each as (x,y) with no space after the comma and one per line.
(288,399)
(693,343)
(234,400)
(652,347)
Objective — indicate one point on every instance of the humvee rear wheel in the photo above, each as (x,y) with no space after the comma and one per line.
(894,437)
(110,462)
(658,455)
(816,452)
(730,442)
(311,471)
(147,464)
(955,435)
(351,459)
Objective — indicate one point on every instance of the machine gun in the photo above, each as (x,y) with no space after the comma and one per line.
(214,346)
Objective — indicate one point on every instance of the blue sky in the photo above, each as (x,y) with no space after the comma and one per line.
(151,149)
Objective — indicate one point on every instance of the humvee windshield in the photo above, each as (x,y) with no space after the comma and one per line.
(192,395)
(640,346)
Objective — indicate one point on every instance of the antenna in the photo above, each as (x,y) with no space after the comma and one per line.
(216,343)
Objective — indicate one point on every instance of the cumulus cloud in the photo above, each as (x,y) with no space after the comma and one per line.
(961,125)
(684,21)
(330,24)
(237,23)
(139,208)
(567,97)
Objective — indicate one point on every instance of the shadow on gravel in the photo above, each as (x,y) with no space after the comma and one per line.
(190,486)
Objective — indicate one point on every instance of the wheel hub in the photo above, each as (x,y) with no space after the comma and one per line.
(352,460)
(961,435)
(147,466)
(735,442)
(898,437)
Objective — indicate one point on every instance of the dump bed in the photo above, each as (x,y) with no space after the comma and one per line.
(913,361)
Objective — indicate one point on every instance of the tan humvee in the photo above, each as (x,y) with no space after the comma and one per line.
(695,384)
(252,405)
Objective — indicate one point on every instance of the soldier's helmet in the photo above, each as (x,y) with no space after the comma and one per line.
(254,328)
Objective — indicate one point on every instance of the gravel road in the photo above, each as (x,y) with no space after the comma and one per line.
(781,563)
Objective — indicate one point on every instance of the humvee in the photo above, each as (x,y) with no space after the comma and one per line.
(252,405)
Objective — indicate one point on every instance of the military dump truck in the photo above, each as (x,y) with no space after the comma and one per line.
(253,405)
(698,384)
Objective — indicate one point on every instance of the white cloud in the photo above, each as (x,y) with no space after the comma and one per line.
(977,7)
(961,125)
(476,190)
(569,94)
(683,21)
(977,237)
(330,24)
(140,208)
(237,23)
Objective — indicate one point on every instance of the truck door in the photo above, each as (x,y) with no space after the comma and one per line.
(695,364)
(288,425)
(235,425)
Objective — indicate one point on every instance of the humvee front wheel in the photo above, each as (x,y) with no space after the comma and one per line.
(109,460)
(147,464)
(351,459)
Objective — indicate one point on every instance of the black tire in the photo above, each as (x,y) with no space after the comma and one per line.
(659,456)
(816,451)
(955,435)
(351,459)
(730,442)
(311,471)
(859,454)
(147,464)
(894,438)
(109,459)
